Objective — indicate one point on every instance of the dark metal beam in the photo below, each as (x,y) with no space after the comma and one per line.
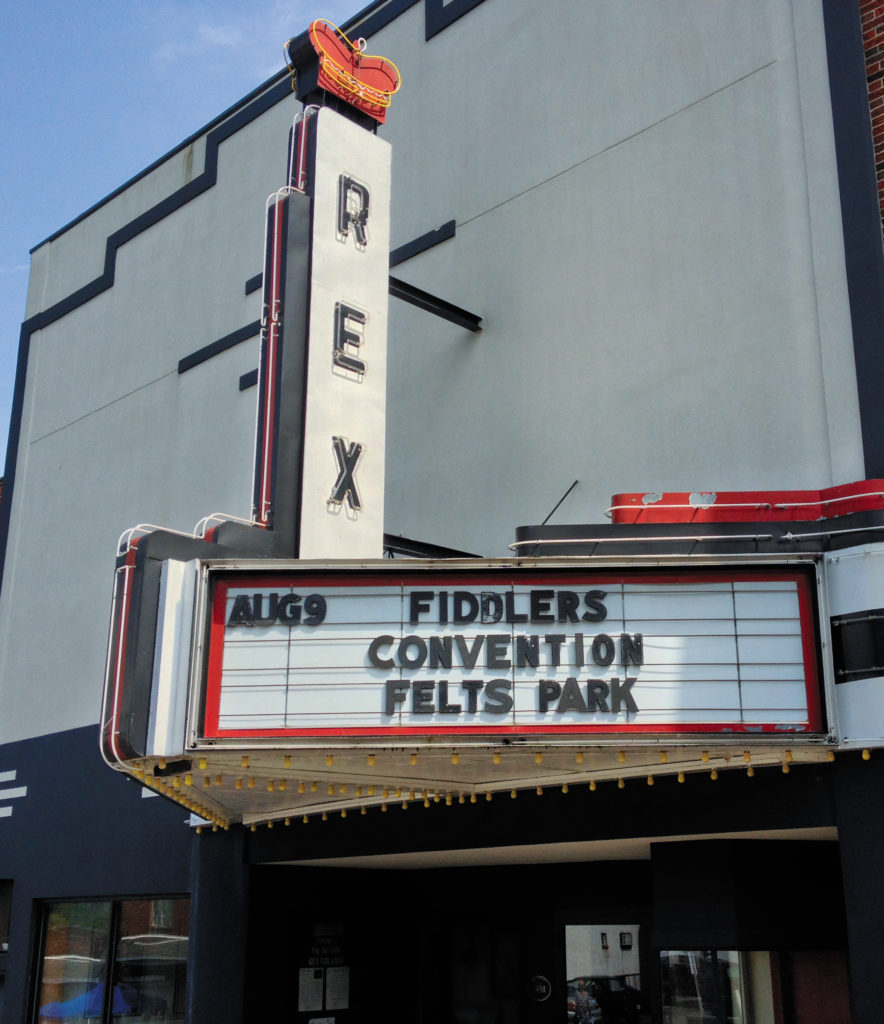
(433,304)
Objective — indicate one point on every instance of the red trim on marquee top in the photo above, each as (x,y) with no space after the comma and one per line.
(747,506)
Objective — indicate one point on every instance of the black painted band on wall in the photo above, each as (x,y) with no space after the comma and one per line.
(860,217)
(219,346)
(439,15)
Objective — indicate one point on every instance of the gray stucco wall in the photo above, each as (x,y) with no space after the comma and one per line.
(647,219)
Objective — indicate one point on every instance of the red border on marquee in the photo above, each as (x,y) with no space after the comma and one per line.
(223,582)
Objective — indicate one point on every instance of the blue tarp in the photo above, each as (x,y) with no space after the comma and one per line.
(89,1004)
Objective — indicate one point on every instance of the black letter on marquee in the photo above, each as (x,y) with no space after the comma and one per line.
(596,695)
(241,613)
(440,652)
(620,694)
(341,355)
(572,698)
(472,686)
(358,215)
(568,602)
(497,697)
(289,609)
(555,641)
(466,606)
(593,600)
(548,690)
(258,608)
(394,693)
(632,649)
(602,649)
(492,606)
(527,652)
(374,653)
(422,698)
(345,486)
(418,602)
(469,655)
(444,707)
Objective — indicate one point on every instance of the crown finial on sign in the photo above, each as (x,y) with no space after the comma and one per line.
(325,59)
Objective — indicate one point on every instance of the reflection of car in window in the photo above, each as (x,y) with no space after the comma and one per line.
(613,1000)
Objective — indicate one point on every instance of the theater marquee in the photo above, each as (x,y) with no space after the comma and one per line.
(312,653)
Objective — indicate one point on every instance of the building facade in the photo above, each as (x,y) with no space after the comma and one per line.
(635,251)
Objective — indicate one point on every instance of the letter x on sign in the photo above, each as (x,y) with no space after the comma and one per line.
(346,455)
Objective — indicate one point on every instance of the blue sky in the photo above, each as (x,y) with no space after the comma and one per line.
(95,90)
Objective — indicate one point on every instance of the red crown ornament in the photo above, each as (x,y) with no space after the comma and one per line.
(364,81)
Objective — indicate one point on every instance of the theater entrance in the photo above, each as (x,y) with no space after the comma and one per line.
(463,946)
(679,939)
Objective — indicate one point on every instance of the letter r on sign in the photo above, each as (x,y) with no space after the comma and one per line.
(352,209)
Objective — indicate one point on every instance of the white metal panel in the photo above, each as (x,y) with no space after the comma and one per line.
(855,583)
(171,666)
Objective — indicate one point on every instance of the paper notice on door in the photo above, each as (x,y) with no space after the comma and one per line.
(310,989)
(337,988)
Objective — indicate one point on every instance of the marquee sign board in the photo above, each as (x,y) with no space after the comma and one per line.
(294,656)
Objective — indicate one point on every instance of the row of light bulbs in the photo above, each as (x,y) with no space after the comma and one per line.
(496,758)
(181,793)
(173,788)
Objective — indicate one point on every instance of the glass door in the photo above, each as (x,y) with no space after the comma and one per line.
(603,974)
(716,986)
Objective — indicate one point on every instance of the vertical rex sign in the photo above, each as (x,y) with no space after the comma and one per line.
(342,495)
(319,469)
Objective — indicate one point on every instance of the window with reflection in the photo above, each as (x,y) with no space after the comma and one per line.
(603,978)
(139,944)
(719,986)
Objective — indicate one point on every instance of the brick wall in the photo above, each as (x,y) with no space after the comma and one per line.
(872,13)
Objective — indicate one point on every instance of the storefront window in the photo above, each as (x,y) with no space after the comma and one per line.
(604,977)
(5,911)
(715,986)
(140,944)
(703,987)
